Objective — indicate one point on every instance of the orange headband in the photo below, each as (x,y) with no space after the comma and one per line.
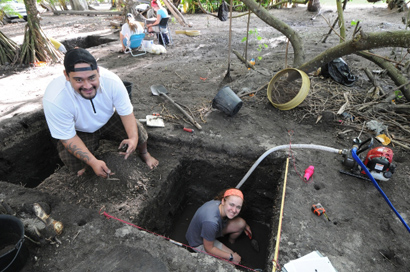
(233,192)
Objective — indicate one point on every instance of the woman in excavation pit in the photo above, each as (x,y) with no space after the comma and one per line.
(217,218)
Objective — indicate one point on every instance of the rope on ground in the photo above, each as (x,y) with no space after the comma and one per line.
(290,133)
(275,258)
(170,240)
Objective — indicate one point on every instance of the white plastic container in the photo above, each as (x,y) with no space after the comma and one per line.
(147,44)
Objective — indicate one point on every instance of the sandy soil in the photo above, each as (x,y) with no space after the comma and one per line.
(363,233)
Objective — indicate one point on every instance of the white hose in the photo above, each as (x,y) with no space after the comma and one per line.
(308,146)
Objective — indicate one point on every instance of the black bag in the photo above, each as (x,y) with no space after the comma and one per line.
(338,70)
(166,39)
(223,11)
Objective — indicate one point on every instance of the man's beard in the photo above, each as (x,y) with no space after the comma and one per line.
(88,97)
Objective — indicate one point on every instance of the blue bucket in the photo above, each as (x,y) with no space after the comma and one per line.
(227,101)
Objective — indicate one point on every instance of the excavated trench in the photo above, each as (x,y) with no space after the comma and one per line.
(194,182)
(87,42)
(29,157)
(28,154)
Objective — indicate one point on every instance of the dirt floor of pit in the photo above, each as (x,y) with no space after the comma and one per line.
(363,234)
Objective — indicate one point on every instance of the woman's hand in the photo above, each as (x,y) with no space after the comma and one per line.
(248,229)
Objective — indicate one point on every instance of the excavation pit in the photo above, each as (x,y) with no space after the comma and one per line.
(195,182)
(86,42)
(189,183)
(26,141)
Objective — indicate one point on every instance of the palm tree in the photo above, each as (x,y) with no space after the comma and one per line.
(36,46)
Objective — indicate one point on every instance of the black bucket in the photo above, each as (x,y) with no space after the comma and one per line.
(128,86)
(13,255)
(227,101)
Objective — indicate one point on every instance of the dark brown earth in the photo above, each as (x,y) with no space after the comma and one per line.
(363,233)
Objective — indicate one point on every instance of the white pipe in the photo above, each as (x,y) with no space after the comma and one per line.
(308,146)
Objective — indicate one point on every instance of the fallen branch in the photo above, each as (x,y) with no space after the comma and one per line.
(400,144)
(87,12)
(248,64)
(204,10)
(251,92)
(116,24)
(343,108)
(377,87)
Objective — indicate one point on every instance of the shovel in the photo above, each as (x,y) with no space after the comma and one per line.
(161,90)
(254,243)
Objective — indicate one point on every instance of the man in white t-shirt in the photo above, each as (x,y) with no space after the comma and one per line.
(89,103)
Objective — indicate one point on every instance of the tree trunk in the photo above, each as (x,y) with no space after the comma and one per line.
(313,5)
(63,4)
(362,41)
(8,50)
(341,20)
(293,36)
(79,4)
(47,6)
(87,12)
(177,14)
(36,46)
(393,73)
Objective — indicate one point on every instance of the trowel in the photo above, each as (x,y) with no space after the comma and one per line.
(254,243)
(153,121)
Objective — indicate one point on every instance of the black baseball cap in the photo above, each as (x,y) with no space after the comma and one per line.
(79,55)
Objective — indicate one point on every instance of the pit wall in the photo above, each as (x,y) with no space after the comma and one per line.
(193,182)
(27,147)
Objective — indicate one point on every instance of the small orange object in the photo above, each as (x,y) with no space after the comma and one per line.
(202,78)
(252,62)
(319,210)
(40,64)
(188,129)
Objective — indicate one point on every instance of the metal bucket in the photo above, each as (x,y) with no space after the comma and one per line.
(227,101)
(13,255)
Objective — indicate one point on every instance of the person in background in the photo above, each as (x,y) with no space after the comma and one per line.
(130,27)
(89,103)
(161,13)
(217,218)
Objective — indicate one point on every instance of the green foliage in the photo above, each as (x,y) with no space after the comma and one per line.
(6,7)
(213,5)
(260,45)
(398,94)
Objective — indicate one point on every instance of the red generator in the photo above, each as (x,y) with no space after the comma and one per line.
(379,163)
